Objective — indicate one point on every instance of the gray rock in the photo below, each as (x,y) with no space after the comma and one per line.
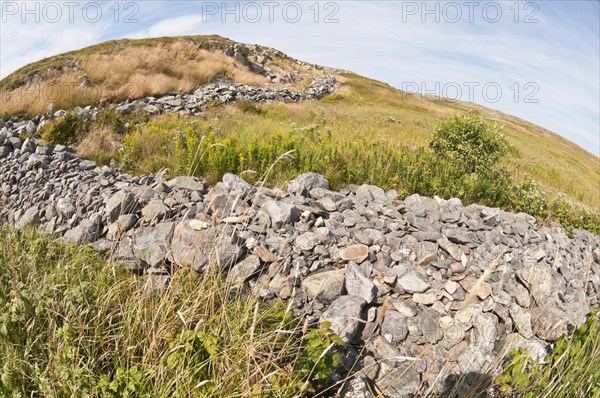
(86,232)
(15,142)
(430,327)
(155,210)
(65,208)
(476,286)
(201,249)
(307,241)
(186,182)
(281,213)
(5,151)
(400,382)
(120,203)
(123,224)
(235,185)
(451,286)
(427,298)
(143,194)
(521,295)
(304,183)
(243,270)
(413,283)
(426,253)
(125,109)
(28,146)
(550,321)
(522,320)
(345,315)
(370,236)
(87,164)
(282,286)
(538,280)
(357,284)
(325,286)
(458,236)
(404,307)
(394,324)
(152,244)
(369,193)
(485,331)
(31,216)
(356,388)
(36,161)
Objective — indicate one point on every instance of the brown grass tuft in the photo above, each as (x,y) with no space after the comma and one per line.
(100,144)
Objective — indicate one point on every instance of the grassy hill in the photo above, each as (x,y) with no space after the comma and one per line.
(363,109)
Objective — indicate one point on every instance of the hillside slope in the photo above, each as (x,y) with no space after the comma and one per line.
(128,69)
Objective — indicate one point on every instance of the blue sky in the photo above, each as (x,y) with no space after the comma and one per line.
(537,60)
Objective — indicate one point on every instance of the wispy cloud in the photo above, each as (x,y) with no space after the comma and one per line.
(389,41)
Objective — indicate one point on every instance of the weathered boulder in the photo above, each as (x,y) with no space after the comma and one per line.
(281,213)
(357,284)
(122,202)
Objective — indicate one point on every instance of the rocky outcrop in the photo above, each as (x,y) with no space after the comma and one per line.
(422,289)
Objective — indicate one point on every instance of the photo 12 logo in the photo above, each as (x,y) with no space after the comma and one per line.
(69,11)
(480,92)
(270,11)
(469,11)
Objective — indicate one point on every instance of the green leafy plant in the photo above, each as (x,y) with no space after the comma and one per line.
(467,138)
(321,357)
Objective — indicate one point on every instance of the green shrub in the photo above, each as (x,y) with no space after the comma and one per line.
(468,139)
(63,131)
(320,359)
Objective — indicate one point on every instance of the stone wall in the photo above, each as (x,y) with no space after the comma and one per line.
(225,92)
(428,287)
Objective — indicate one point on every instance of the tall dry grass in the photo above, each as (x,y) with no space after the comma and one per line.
(100,143)
(131,72)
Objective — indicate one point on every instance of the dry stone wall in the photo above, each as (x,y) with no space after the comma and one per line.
(422,289)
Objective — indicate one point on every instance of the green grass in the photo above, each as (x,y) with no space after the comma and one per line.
(365,110)
(73,325)
(187,145)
